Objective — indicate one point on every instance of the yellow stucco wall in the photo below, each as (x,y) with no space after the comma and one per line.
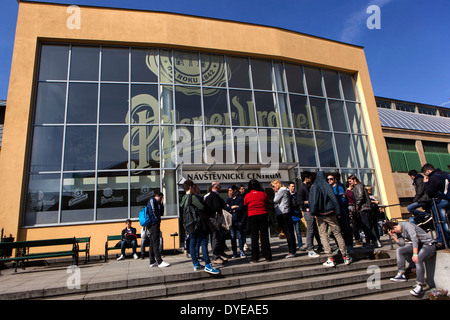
(38,21)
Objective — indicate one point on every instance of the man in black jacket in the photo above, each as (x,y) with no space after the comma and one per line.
(312,230)
(216,204)
(434,185)
(421,199)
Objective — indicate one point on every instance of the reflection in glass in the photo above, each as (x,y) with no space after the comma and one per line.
(169,186)
(144,65)
(112,195)
(187,70)
(337,115)
(42,203)
(78,194)
(301,113)
(84,63)
(238,76)
(362,151)
(348,86)
(313,81)
(325,149)
(355,117)
(294,78)
(167,111)
(189,144)
(245,145)
(79,152)
(46,149)
(331,84)
(114,64)
(279,79)
(262,74)
(219,145)
(213,70)
(113,147)
(82,103)
(167,146)
(166,68)
(265,109)
(144,147)
(53,64)
(216,108)
(188,105)
(319,114)
(242,108)
(289,144)
(344,150)
(50,103)
(271,146)
(144,104)
(113,103)
(284,110)
(144,185)
(306,148)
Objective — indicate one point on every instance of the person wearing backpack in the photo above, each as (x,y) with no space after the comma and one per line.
(435,183)
(155,210)
(198,235)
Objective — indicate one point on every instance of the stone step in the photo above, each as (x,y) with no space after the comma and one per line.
(321,279)
(232,278)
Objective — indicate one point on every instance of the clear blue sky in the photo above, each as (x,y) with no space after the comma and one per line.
(408,57)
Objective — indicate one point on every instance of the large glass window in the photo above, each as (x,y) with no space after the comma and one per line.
(114,125)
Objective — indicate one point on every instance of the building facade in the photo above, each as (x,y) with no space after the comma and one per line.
(415,134)
(109,108)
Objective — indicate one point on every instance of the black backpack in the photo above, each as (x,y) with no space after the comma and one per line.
(191,217)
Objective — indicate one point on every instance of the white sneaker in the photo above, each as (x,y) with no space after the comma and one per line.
(135,256)
(399,277)
(163,264)
(154,264)
(121,257)
(417,290)
(347,260)
(313,254)
(329,263)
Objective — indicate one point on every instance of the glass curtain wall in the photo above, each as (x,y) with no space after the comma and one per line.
(111,125)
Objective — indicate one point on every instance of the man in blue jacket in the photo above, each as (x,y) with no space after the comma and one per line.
(155,210)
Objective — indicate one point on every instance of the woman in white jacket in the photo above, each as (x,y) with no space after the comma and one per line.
(282,202)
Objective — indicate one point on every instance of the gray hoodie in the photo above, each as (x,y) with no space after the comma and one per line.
(411,232)
(282,199)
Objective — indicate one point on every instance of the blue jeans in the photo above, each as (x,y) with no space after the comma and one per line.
(442,207)
(126,244)
(235,232)
(197,239)
(299,235)
(412,208)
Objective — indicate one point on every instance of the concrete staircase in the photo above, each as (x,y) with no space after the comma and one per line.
(300,278)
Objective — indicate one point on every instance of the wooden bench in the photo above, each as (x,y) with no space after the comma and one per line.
(23,250)
(87,241)
(115,247)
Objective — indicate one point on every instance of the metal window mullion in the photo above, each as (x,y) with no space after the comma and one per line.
(129,134)
(233,156)
(98,132)
(250,74)
(289,110)
(61,170)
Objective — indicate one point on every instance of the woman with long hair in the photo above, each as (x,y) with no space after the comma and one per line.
(282,202)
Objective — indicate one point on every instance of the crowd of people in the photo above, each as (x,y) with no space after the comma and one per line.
(331,210)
